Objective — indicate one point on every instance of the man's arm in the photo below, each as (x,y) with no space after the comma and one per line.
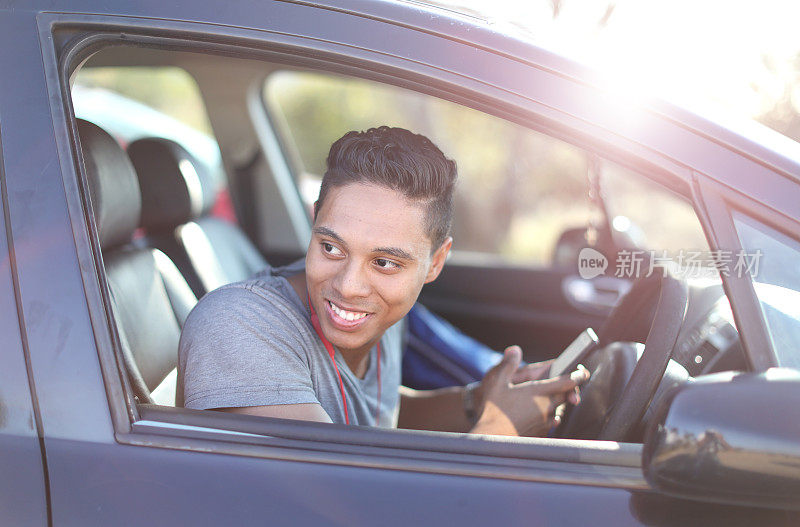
(511,400)
(304,412)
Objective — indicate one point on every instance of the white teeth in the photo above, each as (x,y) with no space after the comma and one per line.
(347,315)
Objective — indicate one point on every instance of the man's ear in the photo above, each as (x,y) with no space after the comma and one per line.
(438,259)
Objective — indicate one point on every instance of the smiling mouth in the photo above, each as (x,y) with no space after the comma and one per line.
(344,318)
(344,314)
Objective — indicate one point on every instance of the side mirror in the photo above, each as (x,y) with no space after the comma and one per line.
(730,438)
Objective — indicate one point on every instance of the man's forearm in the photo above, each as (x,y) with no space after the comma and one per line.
(441,409)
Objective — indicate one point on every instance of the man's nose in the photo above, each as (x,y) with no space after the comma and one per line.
(352,281)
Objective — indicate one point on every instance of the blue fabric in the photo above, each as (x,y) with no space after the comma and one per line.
(438,355)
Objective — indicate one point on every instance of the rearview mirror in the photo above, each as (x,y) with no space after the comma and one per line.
(608,243)
(731,438)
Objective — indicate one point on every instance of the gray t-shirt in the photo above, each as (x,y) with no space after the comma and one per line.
(252,343)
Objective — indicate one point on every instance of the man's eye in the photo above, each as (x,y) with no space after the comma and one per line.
(331,249)
(383,263)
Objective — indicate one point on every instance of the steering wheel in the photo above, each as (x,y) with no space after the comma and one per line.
(610,407)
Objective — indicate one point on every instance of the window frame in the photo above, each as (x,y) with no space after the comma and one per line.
(720,203)
(569,461)
(747,221)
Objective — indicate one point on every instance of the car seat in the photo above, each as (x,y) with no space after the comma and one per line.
(149,297)
(177,196)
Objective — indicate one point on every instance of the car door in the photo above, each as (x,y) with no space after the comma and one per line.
(112,461)
(23,492)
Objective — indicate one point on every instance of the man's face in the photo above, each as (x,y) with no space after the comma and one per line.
(368,259)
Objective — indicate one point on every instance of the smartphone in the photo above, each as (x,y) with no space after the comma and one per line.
(575,353)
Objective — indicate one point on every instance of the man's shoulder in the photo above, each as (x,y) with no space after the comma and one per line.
(259,298)
(262,285)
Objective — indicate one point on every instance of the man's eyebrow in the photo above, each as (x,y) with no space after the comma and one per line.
(396,252)
(325,231)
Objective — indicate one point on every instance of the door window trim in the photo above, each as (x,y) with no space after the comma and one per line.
(562,461)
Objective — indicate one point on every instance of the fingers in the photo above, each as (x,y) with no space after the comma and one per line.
(544,363)
(559,385)
(574,397)
(530,404)
(558,415)
(532,372)
(512,356)
(556,401)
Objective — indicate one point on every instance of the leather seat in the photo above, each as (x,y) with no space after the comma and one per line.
(150,299)
(177,197)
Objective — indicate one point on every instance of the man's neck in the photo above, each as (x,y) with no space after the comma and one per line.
(356,359)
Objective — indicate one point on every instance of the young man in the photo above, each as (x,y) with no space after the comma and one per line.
(320,340)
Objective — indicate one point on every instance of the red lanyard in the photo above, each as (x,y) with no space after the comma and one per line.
(331,353)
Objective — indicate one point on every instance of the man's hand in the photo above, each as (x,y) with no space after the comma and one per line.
(514,400)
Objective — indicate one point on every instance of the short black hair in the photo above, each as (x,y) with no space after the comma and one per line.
(397,159)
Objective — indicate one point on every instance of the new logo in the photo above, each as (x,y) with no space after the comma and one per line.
(591,263)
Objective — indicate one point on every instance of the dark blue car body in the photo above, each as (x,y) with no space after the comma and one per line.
(76,449)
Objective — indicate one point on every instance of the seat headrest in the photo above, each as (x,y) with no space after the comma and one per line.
(176,188)
(113,186)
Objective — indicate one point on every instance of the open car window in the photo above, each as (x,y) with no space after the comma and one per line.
(521,193)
